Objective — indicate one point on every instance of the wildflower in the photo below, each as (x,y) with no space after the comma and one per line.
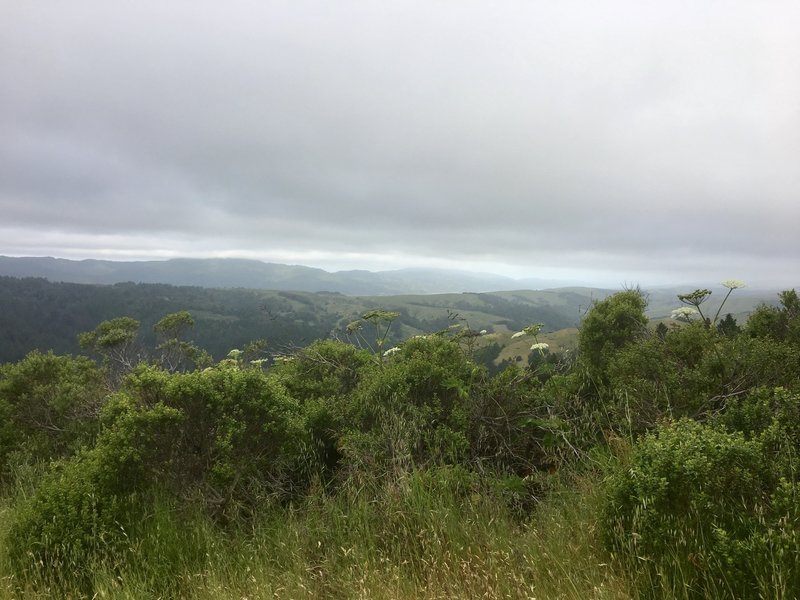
(518,334)
(391,351)
(684,313)
(696,298)
(353,327)
(733,284)
(483,332)
(533,329)
(541,346)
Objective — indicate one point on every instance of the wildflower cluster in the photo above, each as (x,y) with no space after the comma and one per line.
(533,330)
(540,346)
(684,313)
(696,298)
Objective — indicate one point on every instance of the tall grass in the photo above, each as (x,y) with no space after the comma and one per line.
(439,533)
(423,534)
(435,533)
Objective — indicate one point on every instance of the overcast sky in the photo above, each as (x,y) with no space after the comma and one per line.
(615,141)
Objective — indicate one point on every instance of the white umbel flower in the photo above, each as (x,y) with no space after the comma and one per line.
(684,313)
(733,284)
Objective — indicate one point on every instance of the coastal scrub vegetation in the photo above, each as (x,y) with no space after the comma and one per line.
(658,461)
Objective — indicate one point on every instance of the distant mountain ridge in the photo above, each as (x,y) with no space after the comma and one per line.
(254,274)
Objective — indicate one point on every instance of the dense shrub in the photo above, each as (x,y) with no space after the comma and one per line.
(48,406)
(777,323)
(240,437)
(681,374)
(770,416)
(610,325)
(706,428)
(691,372)
(230,437)
(415,408)
(764,362)
(516,428)
(321,377)
(694,507)
(79,511)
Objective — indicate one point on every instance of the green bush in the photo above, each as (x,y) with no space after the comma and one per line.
(763,362)
(48,406)
(699,509)
(321,377)
(516,428)
(777,323)
(679,375)
(691,372)
(79,511)
(68,525)
(228,436)
(240,438)
(610,325)
(324,369)
(771,416)
(414,410)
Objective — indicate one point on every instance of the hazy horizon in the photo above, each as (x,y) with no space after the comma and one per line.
(549,282)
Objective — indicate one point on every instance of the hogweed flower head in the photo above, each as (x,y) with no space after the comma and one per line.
(533,330)
(733,284)
(541,346)
(353,327)
(696,298)
(684,313)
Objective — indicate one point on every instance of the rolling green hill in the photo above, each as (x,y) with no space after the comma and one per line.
(39,314)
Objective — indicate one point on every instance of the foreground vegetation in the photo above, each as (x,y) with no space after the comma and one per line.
(656,462)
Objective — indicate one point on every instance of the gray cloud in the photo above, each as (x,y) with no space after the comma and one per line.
(612,141)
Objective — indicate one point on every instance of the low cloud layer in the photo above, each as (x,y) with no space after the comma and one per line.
(611,142)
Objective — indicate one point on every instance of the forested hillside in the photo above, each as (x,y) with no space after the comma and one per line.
(657,461)
(39,314)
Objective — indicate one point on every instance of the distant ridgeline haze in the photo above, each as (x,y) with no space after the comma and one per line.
(227,273)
